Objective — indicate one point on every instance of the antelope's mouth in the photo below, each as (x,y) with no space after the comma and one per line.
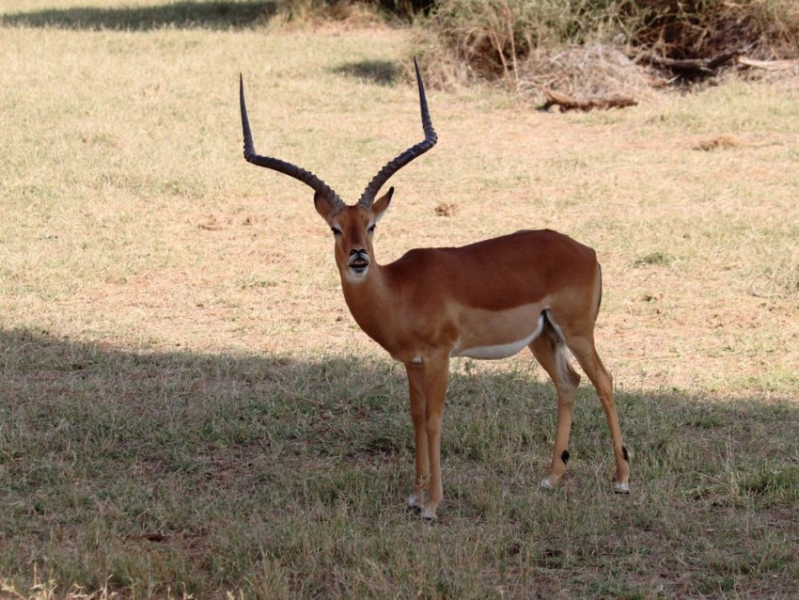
(359,264)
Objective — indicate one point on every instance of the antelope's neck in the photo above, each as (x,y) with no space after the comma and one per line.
(370,302)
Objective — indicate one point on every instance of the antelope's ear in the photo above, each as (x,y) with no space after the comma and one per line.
(323,207)
(380,205)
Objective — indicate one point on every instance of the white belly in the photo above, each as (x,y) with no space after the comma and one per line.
(500,350)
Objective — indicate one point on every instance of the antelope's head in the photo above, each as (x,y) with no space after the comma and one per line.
(352,226)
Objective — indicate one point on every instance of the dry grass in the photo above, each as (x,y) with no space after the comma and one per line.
(187,408)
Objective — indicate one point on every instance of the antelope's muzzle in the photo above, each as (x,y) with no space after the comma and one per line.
(359,261)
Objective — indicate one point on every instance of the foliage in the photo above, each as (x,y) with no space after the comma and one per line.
(705,28)
(493,36)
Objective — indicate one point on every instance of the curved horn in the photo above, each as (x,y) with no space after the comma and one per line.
(275,164)
(430,139)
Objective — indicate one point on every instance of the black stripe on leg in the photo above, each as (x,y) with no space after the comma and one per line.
(565,457)
(624,453)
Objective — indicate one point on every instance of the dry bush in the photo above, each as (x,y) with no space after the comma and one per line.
(522,42)
(597,70)
(494,36)
(767,29)
(441,67)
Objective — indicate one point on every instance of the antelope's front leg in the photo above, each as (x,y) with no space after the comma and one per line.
(436,372)
(418,414)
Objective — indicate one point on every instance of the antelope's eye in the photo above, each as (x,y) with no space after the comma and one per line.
(370,229)
(336,231)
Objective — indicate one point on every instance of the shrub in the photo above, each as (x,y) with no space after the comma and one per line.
(494,36)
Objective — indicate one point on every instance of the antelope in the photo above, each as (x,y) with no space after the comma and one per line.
(486,300)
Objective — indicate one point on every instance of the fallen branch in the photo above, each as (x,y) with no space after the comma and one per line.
(567,103)
(768,65)
(693,67)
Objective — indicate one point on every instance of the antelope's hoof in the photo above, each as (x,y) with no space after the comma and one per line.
(546,484)
(621,488)
(429,514)
(415,501)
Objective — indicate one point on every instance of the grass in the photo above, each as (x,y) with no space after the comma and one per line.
(186,408)
(276,477)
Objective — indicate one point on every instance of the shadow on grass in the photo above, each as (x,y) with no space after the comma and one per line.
(220,14)
(283,477)
(380,72)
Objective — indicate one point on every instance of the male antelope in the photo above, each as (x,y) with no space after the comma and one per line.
(487,300)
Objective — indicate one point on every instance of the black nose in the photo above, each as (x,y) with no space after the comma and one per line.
(355,251)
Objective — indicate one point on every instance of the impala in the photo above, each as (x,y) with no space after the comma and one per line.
(487,300)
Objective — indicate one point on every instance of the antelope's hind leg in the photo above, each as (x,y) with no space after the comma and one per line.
(550,351)
(584,350)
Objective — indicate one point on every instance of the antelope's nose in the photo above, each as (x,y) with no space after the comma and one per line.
(356,251)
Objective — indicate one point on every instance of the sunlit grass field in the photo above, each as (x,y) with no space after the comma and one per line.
(187,408)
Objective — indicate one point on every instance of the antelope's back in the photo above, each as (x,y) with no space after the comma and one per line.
(501,273)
